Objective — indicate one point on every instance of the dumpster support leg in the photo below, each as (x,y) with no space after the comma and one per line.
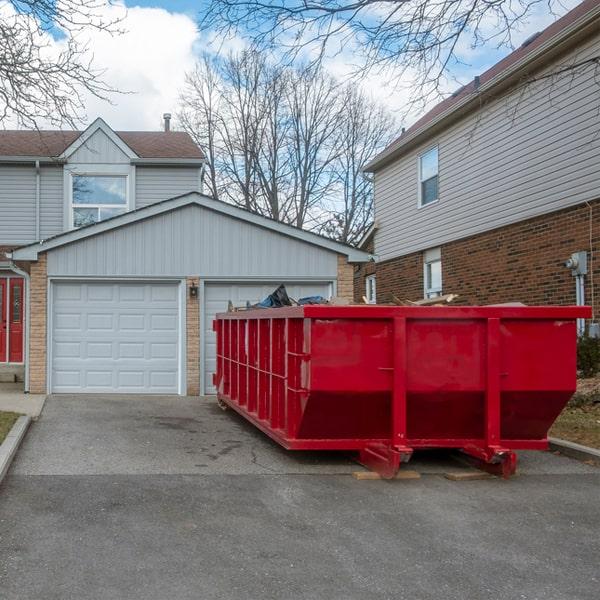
(497,461)
(382,458)
(493,458)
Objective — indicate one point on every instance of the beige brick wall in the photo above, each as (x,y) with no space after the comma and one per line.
(37,326)
(193,340)
(345,278)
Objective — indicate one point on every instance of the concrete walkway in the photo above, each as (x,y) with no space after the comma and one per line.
(154,498)
(14,399)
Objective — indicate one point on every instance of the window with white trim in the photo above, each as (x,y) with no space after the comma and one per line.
(432,273)
(428,177)
(371,289)
(97,197)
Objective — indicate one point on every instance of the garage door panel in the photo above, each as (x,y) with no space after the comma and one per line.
(217,297)
(115,338)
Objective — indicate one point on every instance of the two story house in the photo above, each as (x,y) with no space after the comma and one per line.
(113,262)
(490,193)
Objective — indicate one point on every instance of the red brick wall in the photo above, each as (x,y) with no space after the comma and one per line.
(522,262)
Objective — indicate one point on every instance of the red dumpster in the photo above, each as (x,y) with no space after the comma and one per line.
(385,380)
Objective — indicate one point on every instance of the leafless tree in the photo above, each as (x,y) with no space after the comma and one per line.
(44,80)
(365,129)
(199,114)
(416,41)
(278,140)
(314,106)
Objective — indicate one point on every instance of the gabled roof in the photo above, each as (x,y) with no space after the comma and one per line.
(32,251)
(143,144)
(537,47)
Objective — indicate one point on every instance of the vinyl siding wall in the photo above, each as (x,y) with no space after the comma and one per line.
(193,241)
(534,151)
(154,184)
(17,203)
(99,149)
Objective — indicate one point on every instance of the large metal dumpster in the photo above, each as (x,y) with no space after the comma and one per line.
(385,380)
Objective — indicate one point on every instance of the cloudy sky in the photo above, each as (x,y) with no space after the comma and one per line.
(161,42)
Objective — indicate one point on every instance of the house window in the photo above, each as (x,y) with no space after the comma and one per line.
(371,289)
(428,177)
(98,197)
(432,273)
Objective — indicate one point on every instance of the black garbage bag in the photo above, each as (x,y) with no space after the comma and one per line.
(277,299)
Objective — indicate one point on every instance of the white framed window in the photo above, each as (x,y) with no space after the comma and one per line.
(371,289)
(95,198)
(428,177)
(432,273)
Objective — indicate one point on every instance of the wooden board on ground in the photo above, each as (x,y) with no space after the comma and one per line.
(371,475)
(467,475)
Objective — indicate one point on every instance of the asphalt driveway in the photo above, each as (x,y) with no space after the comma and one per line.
(168,498)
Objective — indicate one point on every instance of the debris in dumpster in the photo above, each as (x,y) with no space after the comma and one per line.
(277,299)
(312,300)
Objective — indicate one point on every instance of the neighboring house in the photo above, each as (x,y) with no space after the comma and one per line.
(491,192)
(122,263)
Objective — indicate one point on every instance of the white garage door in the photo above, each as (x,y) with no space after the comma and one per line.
(216,298)
(115,337)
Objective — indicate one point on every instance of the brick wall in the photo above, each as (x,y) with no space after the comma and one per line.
(522,262)
(37,326)
(192,340)
(345,278)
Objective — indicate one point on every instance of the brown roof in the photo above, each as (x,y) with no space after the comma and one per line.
(146,144)
(498,68)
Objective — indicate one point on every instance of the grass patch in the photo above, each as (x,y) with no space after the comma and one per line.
(7,420)
(579,422)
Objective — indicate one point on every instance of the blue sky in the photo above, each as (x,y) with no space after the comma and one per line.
(162,42)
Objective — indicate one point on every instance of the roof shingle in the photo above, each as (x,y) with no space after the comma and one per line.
(146,144)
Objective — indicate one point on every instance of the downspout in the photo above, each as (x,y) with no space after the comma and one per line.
(25,275)
(37,200)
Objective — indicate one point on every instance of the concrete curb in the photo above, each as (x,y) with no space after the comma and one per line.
(574,450)
(11,444)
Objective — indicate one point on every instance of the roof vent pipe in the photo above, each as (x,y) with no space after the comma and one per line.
(167,118)
(476,82)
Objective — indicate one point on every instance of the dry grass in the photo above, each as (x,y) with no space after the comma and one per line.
(7,420)
(580,424)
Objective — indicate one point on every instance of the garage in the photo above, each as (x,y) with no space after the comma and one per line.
(126,305)
(109,336)
(217,297)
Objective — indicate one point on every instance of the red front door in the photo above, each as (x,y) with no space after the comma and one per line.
(11,319)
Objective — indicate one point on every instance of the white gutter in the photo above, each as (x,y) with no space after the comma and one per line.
(37,199)
(12,267)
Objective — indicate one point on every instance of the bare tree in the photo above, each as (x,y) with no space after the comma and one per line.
(314,105)
(408,40)
(365,129)
(199,114)
(45,81)
(278,141)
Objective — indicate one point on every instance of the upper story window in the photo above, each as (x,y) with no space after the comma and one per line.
(98,197)
(428,177)
(371,289)
(432,272)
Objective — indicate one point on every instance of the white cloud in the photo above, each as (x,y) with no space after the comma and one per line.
(149,60)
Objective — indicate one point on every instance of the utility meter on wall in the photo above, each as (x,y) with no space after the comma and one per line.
(577,263)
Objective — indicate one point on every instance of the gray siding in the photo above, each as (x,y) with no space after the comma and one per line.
(535,151)
(51,201)
(192,241)
(99,149)
(154,184)
(17,204)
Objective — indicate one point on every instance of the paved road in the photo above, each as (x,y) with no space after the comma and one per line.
(172,499)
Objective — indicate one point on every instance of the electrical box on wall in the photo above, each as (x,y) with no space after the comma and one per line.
(577,263)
